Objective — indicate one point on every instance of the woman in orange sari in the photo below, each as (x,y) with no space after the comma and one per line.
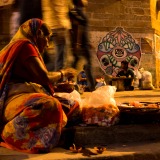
(31,117)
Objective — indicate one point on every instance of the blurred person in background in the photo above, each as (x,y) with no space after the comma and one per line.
(31,115)
(56,15)
(29,9)
(82,81)
(15,18)
(146,80)
(80,39)
(100,81)
(128,74)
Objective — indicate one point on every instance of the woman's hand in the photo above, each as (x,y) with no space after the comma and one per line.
(69,72)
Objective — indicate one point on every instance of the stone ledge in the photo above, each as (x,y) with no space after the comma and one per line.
(102,136)
(141,151)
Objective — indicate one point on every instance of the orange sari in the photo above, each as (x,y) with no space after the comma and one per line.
(32,118)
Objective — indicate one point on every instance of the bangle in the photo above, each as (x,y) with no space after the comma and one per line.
(61,75)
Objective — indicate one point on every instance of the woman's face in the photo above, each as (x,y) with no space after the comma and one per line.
(42,42)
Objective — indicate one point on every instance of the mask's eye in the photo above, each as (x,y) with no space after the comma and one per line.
(105,60)
(133,60)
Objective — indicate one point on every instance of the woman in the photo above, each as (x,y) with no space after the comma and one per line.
(30,115)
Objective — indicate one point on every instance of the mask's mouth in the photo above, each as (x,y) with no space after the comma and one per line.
(119,52)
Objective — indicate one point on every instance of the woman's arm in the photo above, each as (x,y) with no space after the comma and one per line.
(30,67)
(39,73)
(42,76)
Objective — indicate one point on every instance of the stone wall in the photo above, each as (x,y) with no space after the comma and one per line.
(5,13)
(134,16)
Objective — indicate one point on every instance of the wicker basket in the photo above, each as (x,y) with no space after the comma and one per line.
(64,87)
(139,115)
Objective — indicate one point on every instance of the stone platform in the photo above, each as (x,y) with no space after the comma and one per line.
(136,95)
(122,141)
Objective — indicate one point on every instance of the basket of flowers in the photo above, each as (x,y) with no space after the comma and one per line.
(139,112)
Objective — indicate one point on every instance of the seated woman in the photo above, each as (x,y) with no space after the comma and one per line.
(31,116)
(128,73)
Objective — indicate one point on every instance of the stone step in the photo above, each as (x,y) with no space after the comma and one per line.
(122,142)
(141,151)
(91,136)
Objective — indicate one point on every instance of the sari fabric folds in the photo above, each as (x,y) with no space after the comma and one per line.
(31,118)
(33,123)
